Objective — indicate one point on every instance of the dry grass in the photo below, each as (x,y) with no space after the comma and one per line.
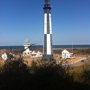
(75,59)
(28,61)
(2,63)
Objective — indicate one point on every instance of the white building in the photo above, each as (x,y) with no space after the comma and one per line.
(26,47)
(4,56)
(67,53)
(28,52)
(35,54)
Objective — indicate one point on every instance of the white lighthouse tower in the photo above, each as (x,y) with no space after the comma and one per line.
(26,47)
(26,44)
(47,47)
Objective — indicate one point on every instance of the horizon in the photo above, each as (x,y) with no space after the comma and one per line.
(23,19)
(42,45)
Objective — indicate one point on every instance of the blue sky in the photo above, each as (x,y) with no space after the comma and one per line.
(23,19)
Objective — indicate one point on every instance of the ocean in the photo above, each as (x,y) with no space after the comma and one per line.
(41,46)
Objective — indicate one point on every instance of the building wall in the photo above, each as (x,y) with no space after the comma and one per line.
(66,54)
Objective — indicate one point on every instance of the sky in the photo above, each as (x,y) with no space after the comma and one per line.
(23,19)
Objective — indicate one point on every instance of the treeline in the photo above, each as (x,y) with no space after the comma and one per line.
(75,51)
(15,75)
(82,51)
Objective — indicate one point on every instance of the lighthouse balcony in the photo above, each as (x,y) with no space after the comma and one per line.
(25,44)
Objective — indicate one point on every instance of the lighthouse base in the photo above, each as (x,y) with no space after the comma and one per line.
(48,58)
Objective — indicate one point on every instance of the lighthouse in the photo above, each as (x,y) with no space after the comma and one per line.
(27,51)
(26,45)
(47,46)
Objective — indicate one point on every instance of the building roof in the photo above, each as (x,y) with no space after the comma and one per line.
(69,50)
